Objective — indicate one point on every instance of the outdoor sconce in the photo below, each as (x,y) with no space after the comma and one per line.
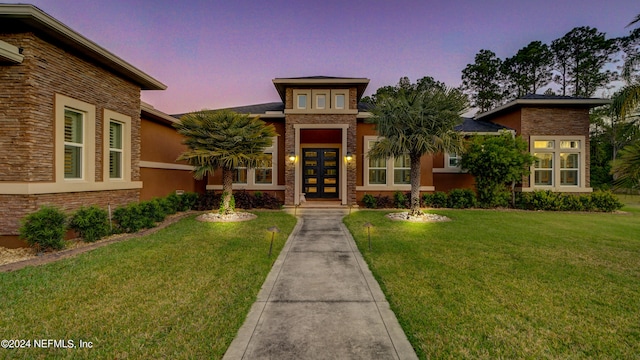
(291,157)
(368,225)
(273,230)
(349,156)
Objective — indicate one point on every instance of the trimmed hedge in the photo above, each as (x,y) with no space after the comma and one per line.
(603,201)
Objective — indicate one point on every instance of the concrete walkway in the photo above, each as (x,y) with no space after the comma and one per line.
(320,301)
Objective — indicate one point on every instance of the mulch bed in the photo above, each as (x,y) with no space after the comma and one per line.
(81,247)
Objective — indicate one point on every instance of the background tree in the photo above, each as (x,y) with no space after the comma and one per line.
(223,140)
(580,56)
(626,169)
(481,80)
(528,70)
(416,120)
(498,163)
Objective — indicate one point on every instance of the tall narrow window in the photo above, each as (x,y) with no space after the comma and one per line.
(321,101)
(544,169)
(569,169)
(264,171)
(73,144)
(240,175)
(377,168)
(302,101)
(402,170)
(339,104)
(115,150)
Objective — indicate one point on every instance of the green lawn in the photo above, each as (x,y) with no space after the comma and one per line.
(511,284)
(181,293)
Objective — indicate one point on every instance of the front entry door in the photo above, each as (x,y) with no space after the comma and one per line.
(320,173)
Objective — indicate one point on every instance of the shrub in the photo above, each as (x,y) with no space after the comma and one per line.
(384,202)
(605,201)
(172,203)
(369,201)
(209,201)
(400,200)
(154,210)
(461,198)
(44,229)
(91,223)
(187,201)
(130,218)
(439,199)
(551,201)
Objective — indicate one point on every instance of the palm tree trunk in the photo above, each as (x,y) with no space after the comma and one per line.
(415,185)
(227,191)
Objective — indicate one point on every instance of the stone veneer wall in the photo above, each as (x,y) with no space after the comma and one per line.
(27,144)
(290,132)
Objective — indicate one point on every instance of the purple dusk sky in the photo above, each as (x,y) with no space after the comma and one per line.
(216,54)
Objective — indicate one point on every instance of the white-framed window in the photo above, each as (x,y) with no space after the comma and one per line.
(559,162)
(117,147)
(402,170)
(264,174)
(321,101)
(452,160)
(116,150)
(301,101)
(240,175)
(264,171)
(377,167)
(73,143)
(385,172)
(340,99)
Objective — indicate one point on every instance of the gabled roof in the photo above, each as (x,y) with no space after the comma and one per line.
(544,100)
(469,125)
(311,81)
(23,17)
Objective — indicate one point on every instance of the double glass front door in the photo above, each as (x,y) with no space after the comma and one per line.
(320,173)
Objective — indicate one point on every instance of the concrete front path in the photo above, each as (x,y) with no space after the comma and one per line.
(320,301)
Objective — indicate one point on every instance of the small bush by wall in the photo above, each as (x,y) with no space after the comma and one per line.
(91,223)
(461,199)
(243,200)
(45,229)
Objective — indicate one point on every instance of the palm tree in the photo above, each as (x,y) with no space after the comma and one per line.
(414,120)
(626,168)
(223,140)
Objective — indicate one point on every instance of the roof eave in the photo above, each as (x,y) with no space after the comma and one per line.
(559,102)
(148,111)
(37,19)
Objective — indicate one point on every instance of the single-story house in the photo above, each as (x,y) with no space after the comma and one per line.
(73,132)
(320,152)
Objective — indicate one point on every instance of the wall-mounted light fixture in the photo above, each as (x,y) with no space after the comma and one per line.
(291,158)
(349,156)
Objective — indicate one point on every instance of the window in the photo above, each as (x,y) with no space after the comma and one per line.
(453,160)
(377,168)
(402,170)
(264,172)
(339,103)
(386,172)
(321,101)
(240,175)
(73,143)
(559,162)
(544,169)
(115,150)
(302,101)
(117,147)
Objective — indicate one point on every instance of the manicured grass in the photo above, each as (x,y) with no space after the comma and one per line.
(181,293)
(511,284)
